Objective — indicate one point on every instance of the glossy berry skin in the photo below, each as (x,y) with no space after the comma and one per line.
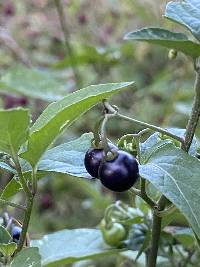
(16,231)
(93,158)
(119,174)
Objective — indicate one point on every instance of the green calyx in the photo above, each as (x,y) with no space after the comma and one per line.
(113,233)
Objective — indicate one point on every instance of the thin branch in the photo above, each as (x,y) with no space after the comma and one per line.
(22,180)
(194,116)
(170,209)
(145,197)
(152,127)
(69,48)
(4,202)
(25,225)
(114,110)
(156,231)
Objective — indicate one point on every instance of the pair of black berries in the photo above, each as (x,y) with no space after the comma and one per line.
(118,174)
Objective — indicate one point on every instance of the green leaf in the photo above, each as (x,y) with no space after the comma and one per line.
(184,235)
(68,246)
(33,83)
(28,257)
(138,237)
(63,113)
(66,158)
(11,189)
(5,237)
(8,249)
(166,220)
(176,174)
(168,39)
(186,13)
(156,141)
(14,125)
(144,245)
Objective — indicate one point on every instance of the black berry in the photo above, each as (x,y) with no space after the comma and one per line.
(120,173)
(93,158)
(16,231)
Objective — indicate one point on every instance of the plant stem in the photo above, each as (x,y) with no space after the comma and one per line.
(156,231)
(195,113)
(69,48)
(115,112)
(170,209)
(22,180)
(5,202)
(152,127)
(190,130)
(145,197)
(34,180)
(30,197)
(26,221)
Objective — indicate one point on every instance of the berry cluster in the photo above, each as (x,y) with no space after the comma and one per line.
(117,174)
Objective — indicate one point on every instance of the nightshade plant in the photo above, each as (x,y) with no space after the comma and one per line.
(167,160)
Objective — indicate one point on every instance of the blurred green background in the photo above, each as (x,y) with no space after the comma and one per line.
(33,58)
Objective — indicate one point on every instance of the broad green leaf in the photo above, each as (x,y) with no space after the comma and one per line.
(12,188)
(67,158)
(14,125)
(8,249)
(6,167)
(33,83)
(186,13)
(156,141)
(168,39)
(28,257)
(5,237)
(68,246)
(176,174)
(63,113)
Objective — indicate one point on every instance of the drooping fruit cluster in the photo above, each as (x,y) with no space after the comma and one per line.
(117,174)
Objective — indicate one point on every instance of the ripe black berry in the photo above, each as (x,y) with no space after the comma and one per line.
(120,173)
(16,231)
(93,158)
